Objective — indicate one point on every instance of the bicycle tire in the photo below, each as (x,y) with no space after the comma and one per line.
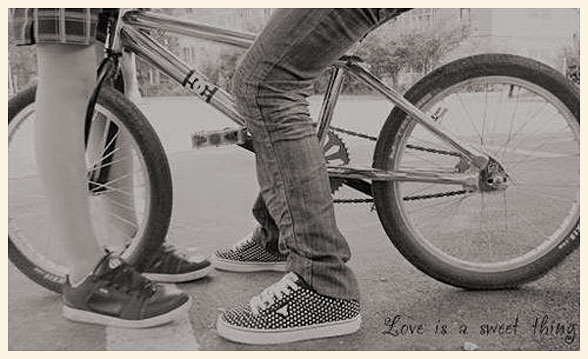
(392,150)
(157,214)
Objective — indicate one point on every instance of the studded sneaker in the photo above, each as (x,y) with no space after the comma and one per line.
(247,256)
(289,311)
(170,265)
(114,294)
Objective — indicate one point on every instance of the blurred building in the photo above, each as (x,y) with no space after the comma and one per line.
(204,55)
(197,52)
(542,34)
(548,35)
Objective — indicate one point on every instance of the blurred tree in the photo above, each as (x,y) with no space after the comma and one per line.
(423,50)
(228,64)
(152,82)
(571,59)
(217,66)
(419,51)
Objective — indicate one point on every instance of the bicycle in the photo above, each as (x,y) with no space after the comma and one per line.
(463,176)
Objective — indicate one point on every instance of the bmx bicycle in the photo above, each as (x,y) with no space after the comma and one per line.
(475,174)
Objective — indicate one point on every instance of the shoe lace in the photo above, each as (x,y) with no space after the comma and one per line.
(276,291)
(126,278)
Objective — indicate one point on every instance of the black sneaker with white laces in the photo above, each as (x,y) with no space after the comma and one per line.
(168,264)
(248,256)
(289,311)
(114,294)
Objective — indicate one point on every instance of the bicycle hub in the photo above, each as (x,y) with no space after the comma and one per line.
(493,177)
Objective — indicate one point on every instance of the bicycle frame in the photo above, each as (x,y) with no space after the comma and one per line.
(133,40)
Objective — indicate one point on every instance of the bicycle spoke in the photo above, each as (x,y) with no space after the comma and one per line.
(112,163)
(112,189)
(533,135)
(120,204)
(513,134)
(513,116)
(449,210)
(120,208)
(124,220)
(550,199)
(421,191)
(506,213)
(526,132)
(519,163)
(484,114)
(535,153)
(118,179)
(422,158)
(469,117)
(572,185)
(106,134)
(437,207)
(105,156)
(530,225)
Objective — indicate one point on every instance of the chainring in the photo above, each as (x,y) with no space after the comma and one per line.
(336,154)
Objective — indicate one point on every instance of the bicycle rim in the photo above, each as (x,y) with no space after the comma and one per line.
(118,205)
(533,135)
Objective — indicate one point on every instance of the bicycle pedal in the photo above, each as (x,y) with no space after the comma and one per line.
(216,138)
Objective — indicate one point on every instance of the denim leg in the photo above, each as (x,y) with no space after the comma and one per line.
(267,234)
(271,87)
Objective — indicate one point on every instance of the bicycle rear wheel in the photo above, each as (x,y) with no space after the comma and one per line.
(526,117)
(129,188)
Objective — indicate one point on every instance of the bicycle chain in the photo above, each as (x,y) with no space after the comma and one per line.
(353,133)
(354,200)
(436,195)
(433,150)
(408,198)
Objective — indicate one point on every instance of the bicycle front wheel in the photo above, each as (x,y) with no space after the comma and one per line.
(129,188)
(523,115)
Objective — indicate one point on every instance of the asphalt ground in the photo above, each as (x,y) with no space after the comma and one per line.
(213,191)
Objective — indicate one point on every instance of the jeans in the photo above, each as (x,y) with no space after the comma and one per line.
(271,86)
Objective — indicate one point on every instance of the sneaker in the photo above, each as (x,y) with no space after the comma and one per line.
(247,256)
(114,294)
(169,265)
(288,311)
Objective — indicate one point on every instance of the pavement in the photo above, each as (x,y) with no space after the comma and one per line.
(213,192)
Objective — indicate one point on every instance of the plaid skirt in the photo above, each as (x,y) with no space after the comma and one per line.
(60,26)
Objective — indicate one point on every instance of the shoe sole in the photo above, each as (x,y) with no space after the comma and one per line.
(245,267)
(178,278)
(83,316)
(262,337)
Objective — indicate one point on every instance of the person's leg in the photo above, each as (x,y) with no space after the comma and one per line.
(271,88)
(100,287)
(66,79)
(66,76)
(267,234)
(257,251)
(265,237)
(166,263)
